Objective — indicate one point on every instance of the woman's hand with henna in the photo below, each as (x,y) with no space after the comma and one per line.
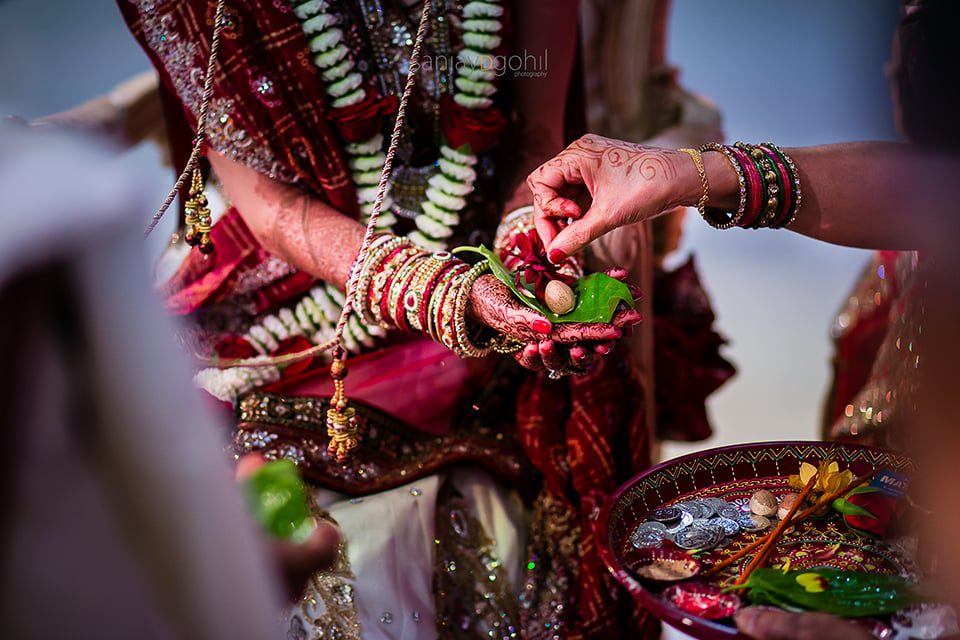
(566,347)
(599,184)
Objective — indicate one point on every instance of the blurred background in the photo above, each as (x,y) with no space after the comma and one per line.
(795,73)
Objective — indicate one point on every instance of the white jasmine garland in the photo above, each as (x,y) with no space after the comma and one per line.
(482,40)
(329,58)
(314,316)
(309,8)
(445,184)
(319,23)
(472,102)
(474,89)
(326,40)
(350,99)
(480,25)
(440,215)
(482,10)
(229,384)
(445,200)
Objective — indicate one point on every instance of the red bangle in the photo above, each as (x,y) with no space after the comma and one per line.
(428,290)
(385,298)
(754,187)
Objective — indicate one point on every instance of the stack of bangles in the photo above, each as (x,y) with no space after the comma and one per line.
(402,286)
(770,194)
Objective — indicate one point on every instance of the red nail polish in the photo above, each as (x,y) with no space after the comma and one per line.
(603,349)
(557,256)
(541,326)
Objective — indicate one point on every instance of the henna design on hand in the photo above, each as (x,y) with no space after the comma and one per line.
(493,304)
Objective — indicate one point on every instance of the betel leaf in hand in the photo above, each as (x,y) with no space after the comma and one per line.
(598,295)
(850,594)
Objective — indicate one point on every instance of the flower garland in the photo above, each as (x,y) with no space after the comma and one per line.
(474,89)
(313,318)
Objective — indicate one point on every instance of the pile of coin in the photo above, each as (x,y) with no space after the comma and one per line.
(699,524)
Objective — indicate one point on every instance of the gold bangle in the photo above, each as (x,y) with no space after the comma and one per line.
(463,346)
(702,171)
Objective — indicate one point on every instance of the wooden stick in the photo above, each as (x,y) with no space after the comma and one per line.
(824,500)
(771,540)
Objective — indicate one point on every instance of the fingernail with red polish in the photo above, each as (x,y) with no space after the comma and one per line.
(602,349)
(546,347)
(557,256)
(541,326)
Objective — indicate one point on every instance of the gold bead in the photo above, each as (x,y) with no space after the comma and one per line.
(772,203)
(770,176)
(757,153)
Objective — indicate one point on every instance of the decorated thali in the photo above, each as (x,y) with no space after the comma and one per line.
(673,535)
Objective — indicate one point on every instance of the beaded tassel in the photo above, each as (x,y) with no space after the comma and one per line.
(197,216)
(341,418)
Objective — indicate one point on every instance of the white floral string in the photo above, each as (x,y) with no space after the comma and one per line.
(313,317)
(446,195)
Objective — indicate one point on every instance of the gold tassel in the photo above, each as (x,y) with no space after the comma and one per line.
(197,216)
(341,418)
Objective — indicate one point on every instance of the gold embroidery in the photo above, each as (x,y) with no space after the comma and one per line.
(473,595)
(551,568)
(327,608)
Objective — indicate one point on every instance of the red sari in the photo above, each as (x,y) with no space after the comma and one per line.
(565,445)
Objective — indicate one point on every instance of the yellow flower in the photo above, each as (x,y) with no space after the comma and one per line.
(830,477)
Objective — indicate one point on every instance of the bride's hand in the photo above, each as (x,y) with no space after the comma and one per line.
(601,184)
(562,347)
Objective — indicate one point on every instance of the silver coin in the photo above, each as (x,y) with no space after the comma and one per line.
(649,538)
(715,503)
(707,508)
(729,525)
(685,521)
(753,522)
(729,510)
(650,526)
(694,538)
(694,508)
(666,514)
(716,531)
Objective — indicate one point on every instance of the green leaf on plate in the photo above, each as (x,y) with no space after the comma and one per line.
(598,295)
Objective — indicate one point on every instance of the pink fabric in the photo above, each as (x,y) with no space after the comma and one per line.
(419,382)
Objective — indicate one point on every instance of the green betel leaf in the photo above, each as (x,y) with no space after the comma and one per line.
(278,500)
(843,593)
(598,295)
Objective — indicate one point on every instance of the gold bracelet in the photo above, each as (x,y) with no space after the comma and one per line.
(702,171)
(714,217)
(437,303)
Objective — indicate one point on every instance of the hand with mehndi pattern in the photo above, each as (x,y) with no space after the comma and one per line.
(600,184)
(562,347)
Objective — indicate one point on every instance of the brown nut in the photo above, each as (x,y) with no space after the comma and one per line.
(786,503)
(559,297)
(763,503)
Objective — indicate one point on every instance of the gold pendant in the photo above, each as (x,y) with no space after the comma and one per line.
(197,216)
